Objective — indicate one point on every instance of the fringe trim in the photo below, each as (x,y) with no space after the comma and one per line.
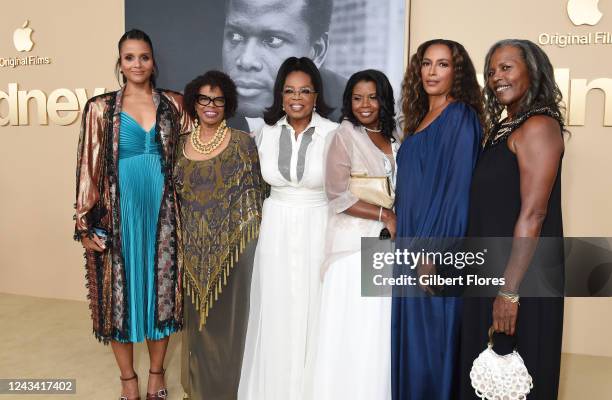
(117,336)
(214,288)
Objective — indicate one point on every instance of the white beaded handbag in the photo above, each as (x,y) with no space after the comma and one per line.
(496,377)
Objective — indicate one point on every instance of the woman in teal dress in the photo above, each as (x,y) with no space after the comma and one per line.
(126,214)
(141,184)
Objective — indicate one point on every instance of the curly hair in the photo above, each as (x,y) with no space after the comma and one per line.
(465,89)
(542,92)
(384,95)
(275,112)
(214,79)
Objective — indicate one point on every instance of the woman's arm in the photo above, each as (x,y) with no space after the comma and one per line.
(89,156)
(337,178)
(364,210)
(538,146)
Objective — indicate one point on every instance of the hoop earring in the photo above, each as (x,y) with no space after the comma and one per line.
(120,78)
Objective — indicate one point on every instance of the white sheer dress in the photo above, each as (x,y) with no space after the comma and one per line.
(352,357)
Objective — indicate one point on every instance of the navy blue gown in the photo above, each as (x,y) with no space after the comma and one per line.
(432,198)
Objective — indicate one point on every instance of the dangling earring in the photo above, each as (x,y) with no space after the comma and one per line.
(196,124)
(314,109)
(120,77)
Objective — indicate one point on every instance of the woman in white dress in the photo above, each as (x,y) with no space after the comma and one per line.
(352,358)
(285,288)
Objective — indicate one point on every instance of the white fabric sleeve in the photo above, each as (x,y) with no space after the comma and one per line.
(338,173)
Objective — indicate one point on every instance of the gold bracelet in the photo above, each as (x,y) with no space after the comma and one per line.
(511,297)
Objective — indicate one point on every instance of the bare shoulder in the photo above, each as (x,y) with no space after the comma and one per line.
(539,130)
(542,125)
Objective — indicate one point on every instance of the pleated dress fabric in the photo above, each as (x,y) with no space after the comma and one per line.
(141,185)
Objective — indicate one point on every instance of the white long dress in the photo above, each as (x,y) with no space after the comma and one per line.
(352,359)
(285,288)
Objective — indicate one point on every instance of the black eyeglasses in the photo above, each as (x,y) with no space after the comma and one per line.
(204,100)
(305,91)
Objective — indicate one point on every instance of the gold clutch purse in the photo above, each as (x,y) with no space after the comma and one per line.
(372,189)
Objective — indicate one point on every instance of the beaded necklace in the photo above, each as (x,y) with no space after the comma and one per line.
(504,128)
(212,145)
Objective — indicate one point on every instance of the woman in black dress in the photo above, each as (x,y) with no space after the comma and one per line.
(516,192)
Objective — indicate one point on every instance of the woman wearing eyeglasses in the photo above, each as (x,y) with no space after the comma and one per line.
(286,282)
(220,192)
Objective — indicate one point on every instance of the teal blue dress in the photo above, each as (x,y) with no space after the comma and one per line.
(141,185)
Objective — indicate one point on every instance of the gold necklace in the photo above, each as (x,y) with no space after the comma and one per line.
(372,130)
(212,144)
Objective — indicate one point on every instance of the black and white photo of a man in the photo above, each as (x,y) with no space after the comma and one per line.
(249,39)
(259,35)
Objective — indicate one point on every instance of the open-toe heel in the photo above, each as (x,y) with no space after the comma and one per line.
(129,379)
(162,393)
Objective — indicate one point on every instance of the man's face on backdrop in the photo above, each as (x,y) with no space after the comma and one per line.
(259,35)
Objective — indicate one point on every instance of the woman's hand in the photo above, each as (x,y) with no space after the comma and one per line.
(505,313)
(93,244)
(390,220)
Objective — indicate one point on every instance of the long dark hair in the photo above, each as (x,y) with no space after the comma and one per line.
(275,112)
(135,34)
(542,92)
(384,95)
(415,102)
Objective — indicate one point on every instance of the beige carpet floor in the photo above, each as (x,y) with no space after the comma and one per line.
(47,338)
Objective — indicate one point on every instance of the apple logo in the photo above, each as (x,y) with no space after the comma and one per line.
(22,39)
(583,12)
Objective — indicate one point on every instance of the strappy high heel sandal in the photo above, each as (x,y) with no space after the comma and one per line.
(129,379)
(162,393)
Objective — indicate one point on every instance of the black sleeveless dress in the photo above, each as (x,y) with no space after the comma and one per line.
(495,204)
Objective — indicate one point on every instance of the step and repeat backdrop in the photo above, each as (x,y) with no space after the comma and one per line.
(53,57)
(56,55)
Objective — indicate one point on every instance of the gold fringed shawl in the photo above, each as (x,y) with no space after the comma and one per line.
(220,202)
